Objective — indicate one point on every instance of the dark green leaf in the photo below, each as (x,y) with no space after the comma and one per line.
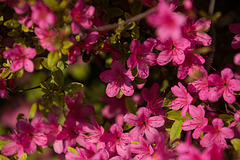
(73,88)
(52,59)
(115,12)
(57,76)
(131,105)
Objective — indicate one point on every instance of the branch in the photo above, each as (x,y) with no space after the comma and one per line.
(133,19)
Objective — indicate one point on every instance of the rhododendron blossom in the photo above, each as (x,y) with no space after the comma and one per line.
(142,57)
(216,134)
(183,100)
(42,16)
(224,85)
(118,79)
(168,23)
(21,58)
(144,124)
(172,50)
(3,91)
(82,16)
(197,123)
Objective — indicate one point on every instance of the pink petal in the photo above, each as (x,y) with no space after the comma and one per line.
(30,53)
(16,65)
(203,38)
(132,61)
(156,121)
(229,96)
(182,44)
(10,149)
(28,65)
(217,123)
(227,132)
(40,139)
(135,46)
(207,140)
(127,89)
(143,70)
(112,89)
(131,119)
(196,133)
(234,84)
(227,74)
(73,156)
(164,57)
(108,76)
(58,146)
(178,57)
(148,45)
(116,129)
(152,134)
(189,125)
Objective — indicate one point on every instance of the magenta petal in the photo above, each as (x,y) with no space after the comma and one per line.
(58,146)
(152,134)
(178,57)
(112,89)
(229,96)
(143,70)
(148,45)
(227,132)
(135,46)
(164,57)
(73,156)
(127,89)
(16,65)
(28,65)
(40,139)
(196,133)
(116,129)
(156,121)
(236,42)
(132,61)
(32,148)
(207,140)
(189,125)
(10,149)
(108,76)
(131,119)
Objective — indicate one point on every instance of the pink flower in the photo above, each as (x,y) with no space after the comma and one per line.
(154,102)
(172,50)
(168,23)
(73,52)
(89,41)
(42,16)
(197,123)
(3,90)
(191,60)
(29,137)
(144,124)
(82,16)
(118,141)
(143,150)
(21,57)
(201,84)
(26,20)
(118,79)
(216,134)
(78,111)
(14,146)
(142,56)
(48,38)
(194,31)
(235,28)
(21,7)
(225,85)
(184,99)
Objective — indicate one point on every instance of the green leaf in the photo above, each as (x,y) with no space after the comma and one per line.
(57,76)
(47,99)
(37,63)
(236,144)
(135,142)
(164,85)
(5,73)
(136,8)
(11,23)
(226,118)
(13,33)
(51,3)
(67,44)
(23,157)
(131,105)
(127,127)
(115,12)
(52,59)
(175,131)
(176,115)
(3,158)
(135,33)
(33,110)
(58,99)
(73,88)
(120,94)
(73,150)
